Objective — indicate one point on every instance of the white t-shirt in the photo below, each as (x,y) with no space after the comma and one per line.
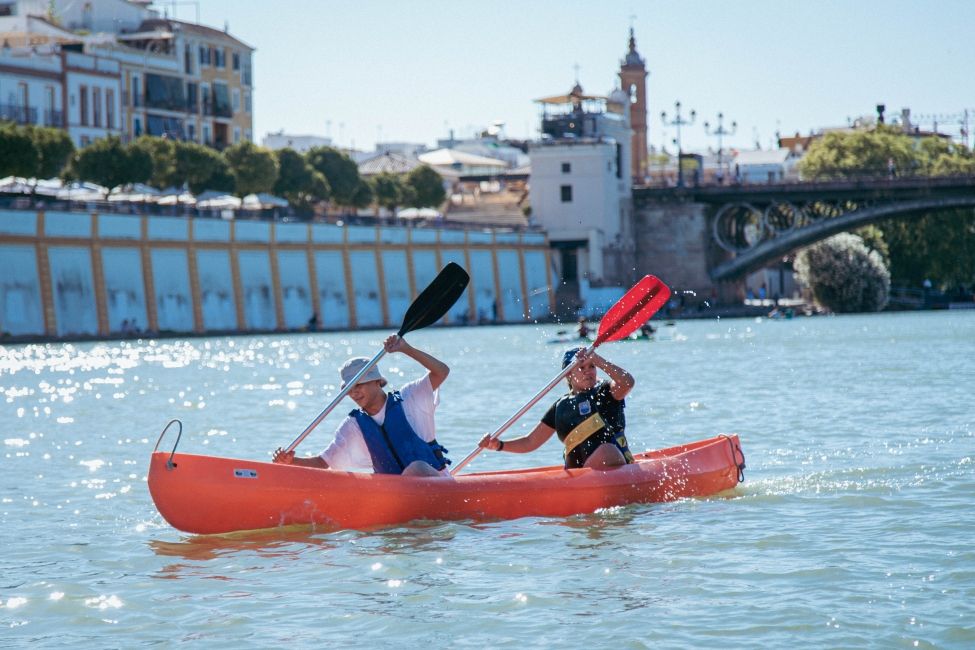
(349,451)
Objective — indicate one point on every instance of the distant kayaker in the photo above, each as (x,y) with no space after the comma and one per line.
(391,433)
(588,419)
(582,331)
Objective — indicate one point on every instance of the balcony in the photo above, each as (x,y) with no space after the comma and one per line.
(18,113)
(53,118)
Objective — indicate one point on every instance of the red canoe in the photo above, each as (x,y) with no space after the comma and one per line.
(207,494)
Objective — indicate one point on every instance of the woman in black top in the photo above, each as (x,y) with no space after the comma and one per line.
(589,419)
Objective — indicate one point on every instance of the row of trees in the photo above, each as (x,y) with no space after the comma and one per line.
(935,246)
(322,174)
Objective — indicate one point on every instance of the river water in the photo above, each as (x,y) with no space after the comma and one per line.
(854,527)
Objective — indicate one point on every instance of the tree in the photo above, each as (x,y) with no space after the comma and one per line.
(298,181)
(881,152)
(363,196)
(388,190)
(255,169)
(54,147)
(341,172)
(428,187)
(221,179)
(844,275)
(937,246)
(18,153)
(109,163)
(162,151)
(197,165)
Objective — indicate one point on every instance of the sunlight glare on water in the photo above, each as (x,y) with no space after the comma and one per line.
(853,527)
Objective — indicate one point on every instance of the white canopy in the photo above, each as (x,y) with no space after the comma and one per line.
(182,199)
(82,191)
(263,200)
(418,213)
(219,202)
(451,157)
(21,185)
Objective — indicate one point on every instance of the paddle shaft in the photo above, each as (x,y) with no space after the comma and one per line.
(335,402)
(524,409)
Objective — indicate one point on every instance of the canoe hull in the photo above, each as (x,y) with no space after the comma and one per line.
(207,494)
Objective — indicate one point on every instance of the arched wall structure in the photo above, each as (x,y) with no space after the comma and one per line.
(66,275)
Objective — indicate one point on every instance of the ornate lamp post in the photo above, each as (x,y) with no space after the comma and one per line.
(678,121)
(720,131)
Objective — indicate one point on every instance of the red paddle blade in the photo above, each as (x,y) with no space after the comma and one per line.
(633,309)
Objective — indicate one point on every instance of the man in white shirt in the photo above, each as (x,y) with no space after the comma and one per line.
(390,433)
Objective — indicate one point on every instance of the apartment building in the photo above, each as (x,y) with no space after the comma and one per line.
(125,70)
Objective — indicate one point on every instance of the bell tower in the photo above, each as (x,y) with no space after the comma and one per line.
(633,80)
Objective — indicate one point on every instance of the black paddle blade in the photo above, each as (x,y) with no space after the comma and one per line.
(434,301)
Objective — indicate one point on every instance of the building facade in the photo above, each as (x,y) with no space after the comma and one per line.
(581,189)
(31,87)
(126,71)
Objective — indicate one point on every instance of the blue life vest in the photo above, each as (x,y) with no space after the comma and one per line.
(394,445)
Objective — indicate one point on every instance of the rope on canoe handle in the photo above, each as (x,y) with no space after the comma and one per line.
(179,434)
(736,452)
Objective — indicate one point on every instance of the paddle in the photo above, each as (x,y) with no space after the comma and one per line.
(432,303)
(632,310)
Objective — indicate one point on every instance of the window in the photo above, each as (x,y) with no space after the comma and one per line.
(137,126)
(619,160)
(219,57)
(235,99)
(192,92)
(188,59)
(204,55)
(221,100)
(206,134)
(566,193)
(8,9)
(191,132)
(566,168)
(85,141)
(236,59)
(51,117)
(165,92)
(236,134)
(136,91)
(109,108)
(83,100)
(247,102)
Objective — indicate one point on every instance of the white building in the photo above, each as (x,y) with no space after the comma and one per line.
(94,92)
(93,16)
(31,91)
(143,74)
(406,149)
(581,185)
(300,143)
(765,166)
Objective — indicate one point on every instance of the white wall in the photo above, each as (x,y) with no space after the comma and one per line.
(93,73)
(33,70)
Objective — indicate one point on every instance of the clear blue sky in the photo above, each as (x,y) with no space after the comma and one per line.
(409,70)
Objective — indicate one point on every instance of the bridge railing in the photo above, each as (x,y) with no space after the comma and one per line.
(827,179)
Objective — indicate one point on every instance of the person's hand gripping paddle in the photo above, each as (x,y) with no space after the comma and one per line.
(630,312)
(432,303)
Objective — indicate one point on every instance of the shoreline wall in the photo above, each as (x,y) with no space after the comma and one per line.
(79,275)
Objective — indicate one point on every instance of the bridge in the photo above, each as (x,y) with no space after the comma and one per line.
(746,227)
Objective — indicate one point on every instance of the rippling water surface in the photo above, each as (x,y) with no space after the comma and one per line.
(854,527)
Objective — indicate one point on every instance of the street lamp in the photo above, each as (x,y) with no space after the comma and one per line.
(678,121)
(720,131)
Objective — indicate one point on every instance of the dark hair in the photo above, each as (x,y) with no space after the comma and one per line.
(569,355)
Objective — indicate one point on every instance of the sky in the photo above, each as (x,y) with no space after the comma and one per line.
(412,70)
